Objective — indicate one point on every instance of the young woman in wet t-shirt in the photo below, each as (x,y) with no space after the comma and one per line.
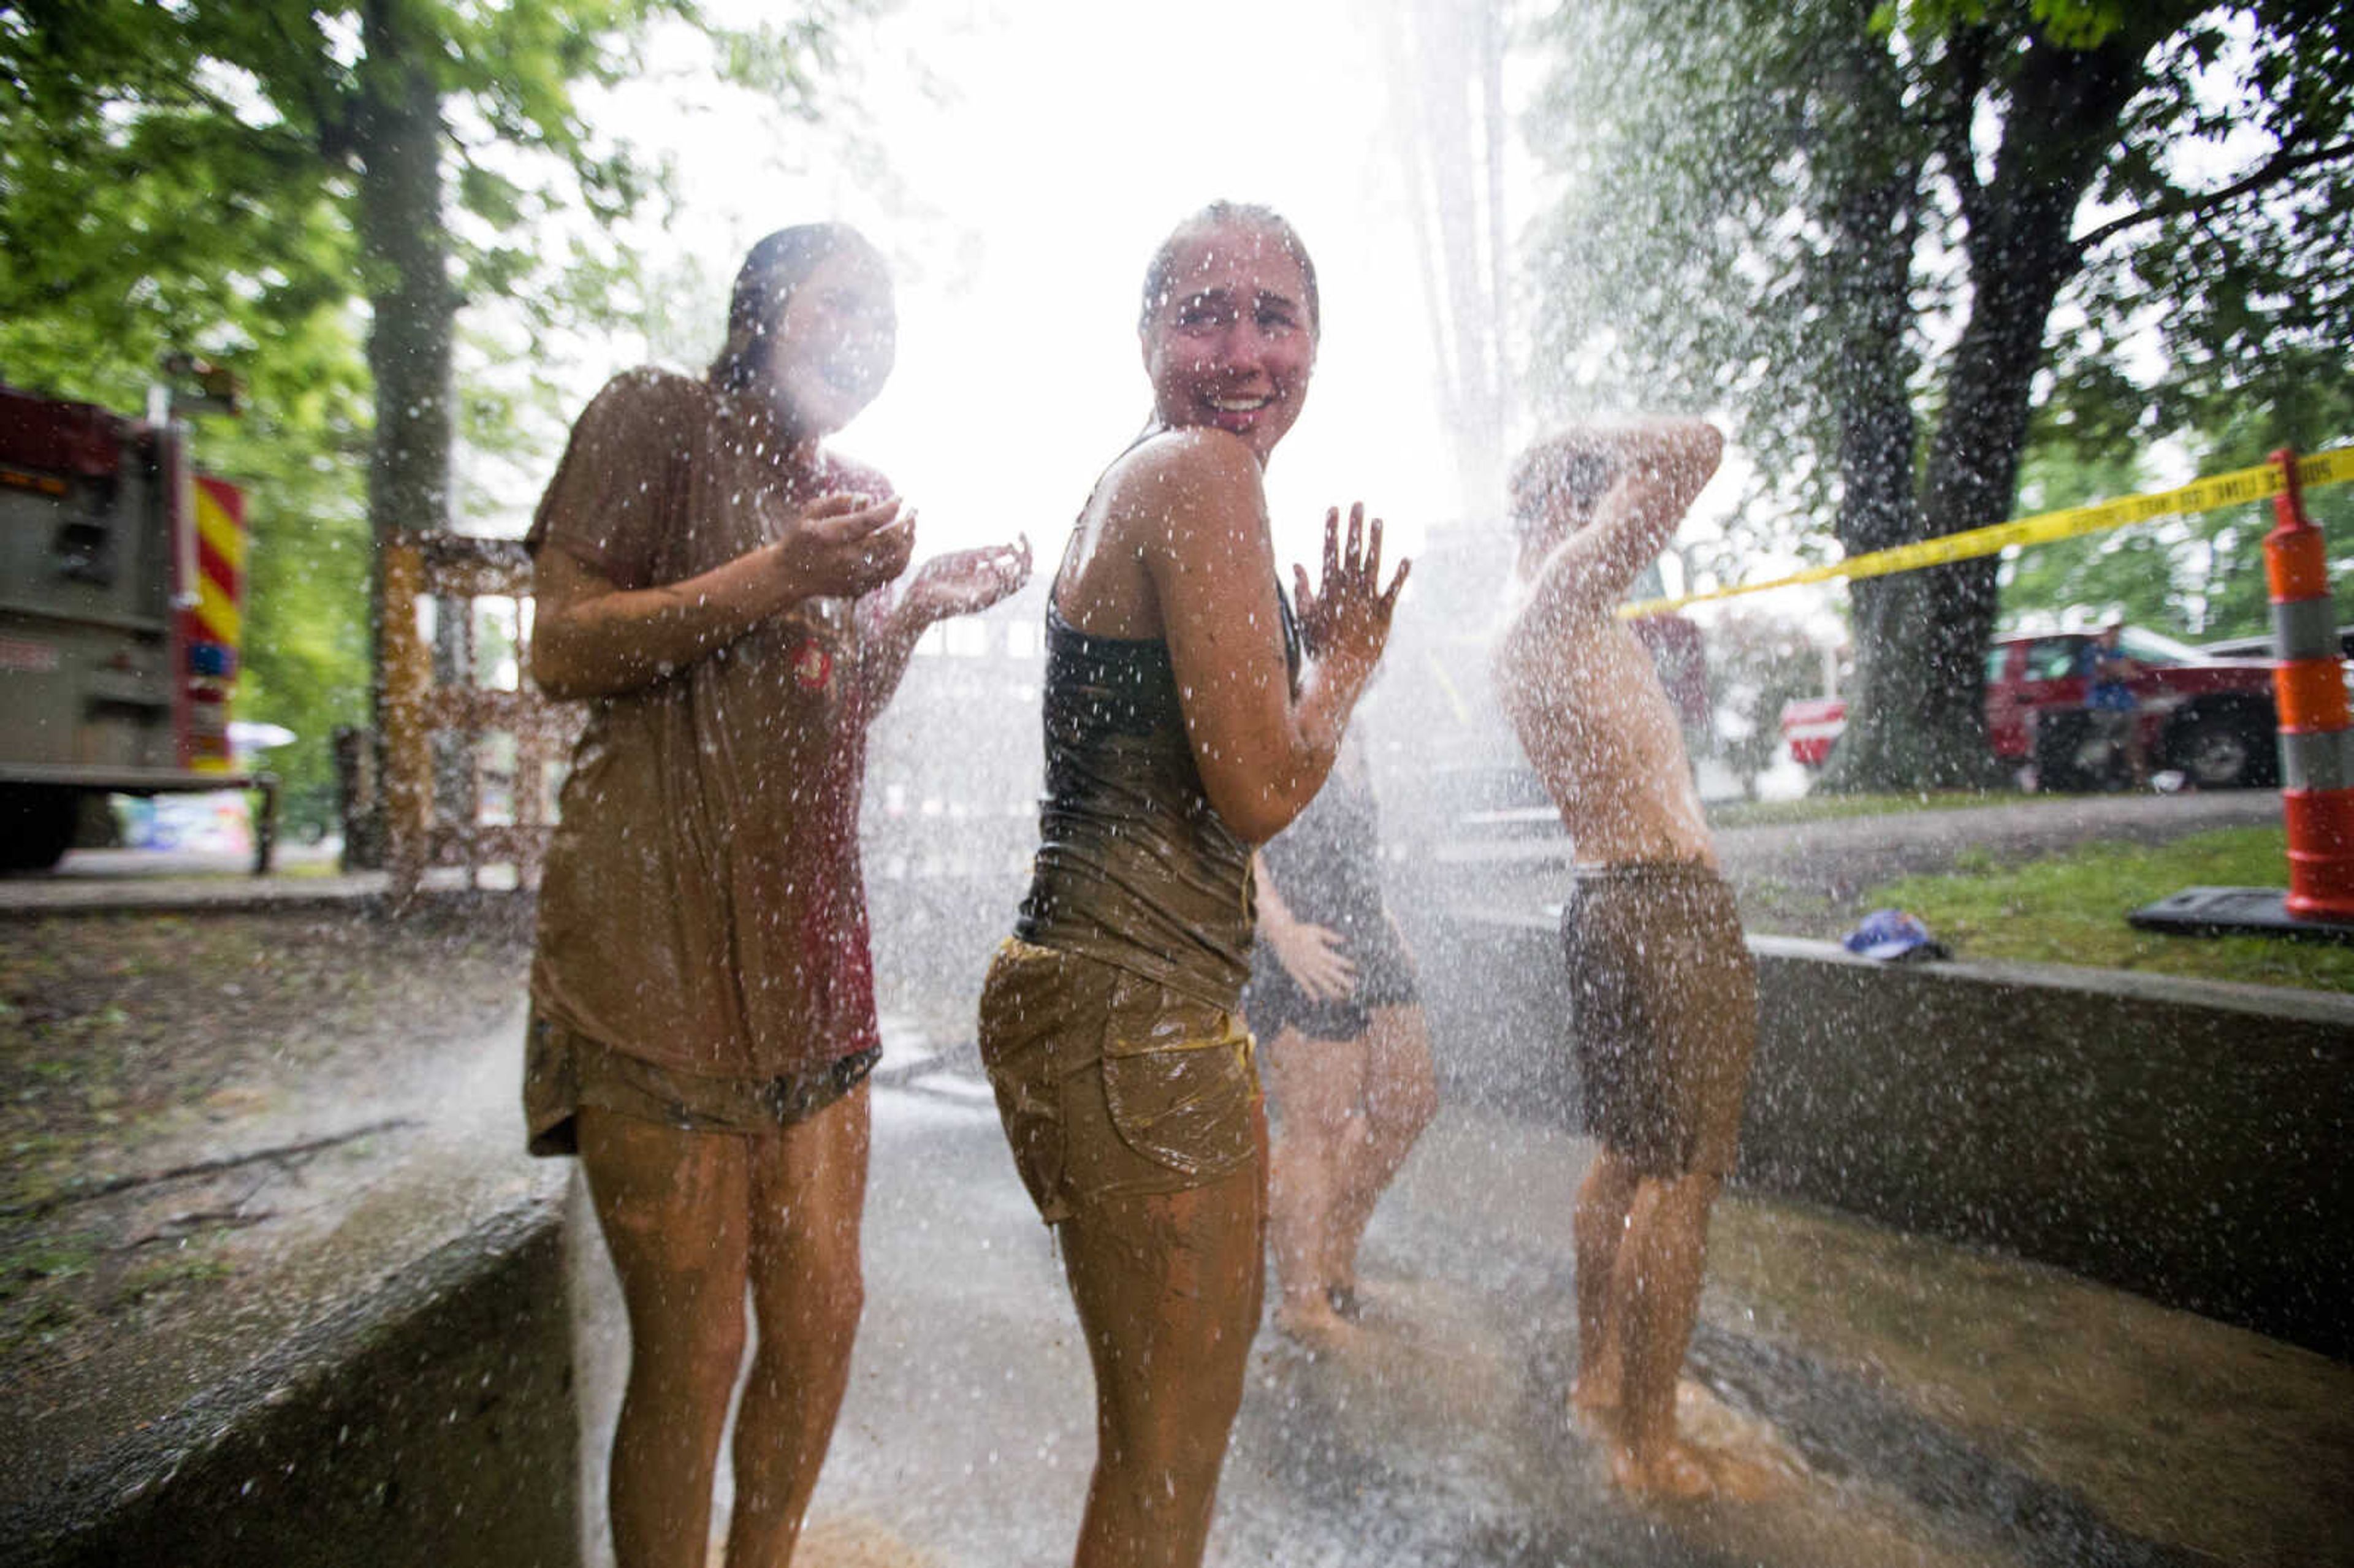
(1177,737)
(713,583)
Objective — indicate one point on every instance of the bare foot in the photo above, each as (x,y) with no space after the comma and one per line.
(1739,1479)
(1310,1320)
(1675,1472)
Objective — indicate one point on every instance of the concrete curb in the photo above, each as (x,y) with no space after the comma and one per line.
(2182,1138)
(427,1425)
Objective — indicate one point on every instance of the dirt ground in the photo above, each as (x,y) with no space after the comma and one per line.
(174,1086)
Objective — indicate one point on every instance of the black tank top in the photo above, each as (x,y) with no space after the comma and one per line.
(1135,868)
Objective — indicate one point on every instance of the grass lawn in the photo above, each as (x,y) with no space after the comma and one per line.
(2070,909)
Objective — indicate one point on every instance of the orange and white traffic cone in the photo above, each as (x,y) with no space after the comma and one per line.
(2316,735)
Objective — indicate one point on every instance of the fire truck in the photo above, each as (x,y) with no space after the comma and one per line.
(121,584)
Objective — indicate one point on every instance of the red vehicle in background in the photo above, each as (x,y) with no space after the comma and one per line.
(2211,719)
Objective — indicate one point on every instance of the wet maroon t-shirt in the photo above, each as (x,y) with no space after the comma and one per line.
(703,905)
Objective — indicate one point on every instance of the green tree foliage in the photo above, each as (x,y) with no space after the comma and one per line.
(310,193)
(2200,578)
(1880,235)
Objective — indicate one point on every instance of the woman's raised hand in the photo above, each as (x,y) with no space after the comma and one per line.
(965,582)
(844,544)
(1346,622)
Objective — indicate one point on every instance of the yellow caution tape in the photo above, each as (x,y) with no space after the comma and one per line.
(2236,488)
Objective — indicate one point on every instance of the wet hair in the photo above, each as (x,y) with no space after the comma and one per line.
(1561,471)
(773,269)
(1160,276)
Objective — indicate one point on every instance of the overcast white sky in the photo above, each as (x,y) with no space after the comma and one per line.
(1037,151)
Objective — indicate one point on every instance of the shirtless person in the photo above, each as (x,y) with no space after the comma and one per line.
(1664,993)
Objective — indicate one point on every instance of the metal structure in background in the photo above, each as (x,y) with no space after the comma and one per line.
(472,751)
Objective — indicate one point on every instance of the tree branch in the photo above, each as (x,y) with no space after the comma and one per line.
(2200,203)
(1955,117)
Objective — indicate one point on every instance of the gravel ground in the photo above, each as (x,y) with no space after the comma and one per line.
(183,1093)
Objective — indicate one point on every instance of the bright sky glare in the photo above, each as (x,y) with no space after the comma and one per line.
(1056,141)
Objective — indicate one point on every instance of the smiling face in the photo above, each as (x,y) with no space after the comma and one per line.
(831,348)
(1230,341)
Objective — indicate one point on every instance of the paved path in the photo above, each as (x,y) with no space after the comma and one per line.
(1911,1402)
(1907,1400)
(1839,857)
(1860,851)
(91,881)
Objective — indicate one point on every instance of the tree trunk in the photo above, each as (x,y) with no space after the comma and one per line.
(1875,222)
(413,304)
(1919,720)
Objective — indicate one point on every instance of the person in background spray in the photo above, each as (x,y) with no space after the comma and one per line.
(1333,1003)
(2113,711)
(1664,991)
(713,583)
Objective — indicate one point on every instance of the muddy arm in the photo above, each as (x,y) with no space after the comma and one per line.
(1658,469)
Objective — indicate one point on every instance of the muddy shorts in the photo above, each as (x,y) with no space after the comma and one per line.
(1664,1003)
(1111,1085)
(564,1070)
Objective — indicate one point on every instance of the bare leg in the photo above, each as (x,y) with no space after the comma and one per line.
(1167,1287)
(1656,1286)
(1399,1097)
(672,1206)
(1317,1083)
(809,1191)
(1599,1229)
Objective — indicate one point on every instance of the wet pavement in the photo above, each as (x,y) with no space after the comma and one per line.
(88,881)
(1897,1400)
(1902,1399)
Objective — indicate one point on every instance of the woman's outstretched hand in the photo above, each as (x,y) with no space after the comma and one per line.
(844,546)
(1346,622)
(965,582)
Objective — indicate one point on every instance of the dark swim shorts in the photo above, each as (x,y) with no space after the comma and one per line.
(1111,1085)
(1273,1001)
(564,1070)
(1664,1001)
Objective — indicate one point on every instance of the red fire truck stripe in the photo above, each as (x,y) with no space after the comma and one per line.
(218,573)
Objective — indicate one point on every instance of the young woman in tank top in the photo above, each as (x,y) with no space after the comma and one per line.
(1178,734)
